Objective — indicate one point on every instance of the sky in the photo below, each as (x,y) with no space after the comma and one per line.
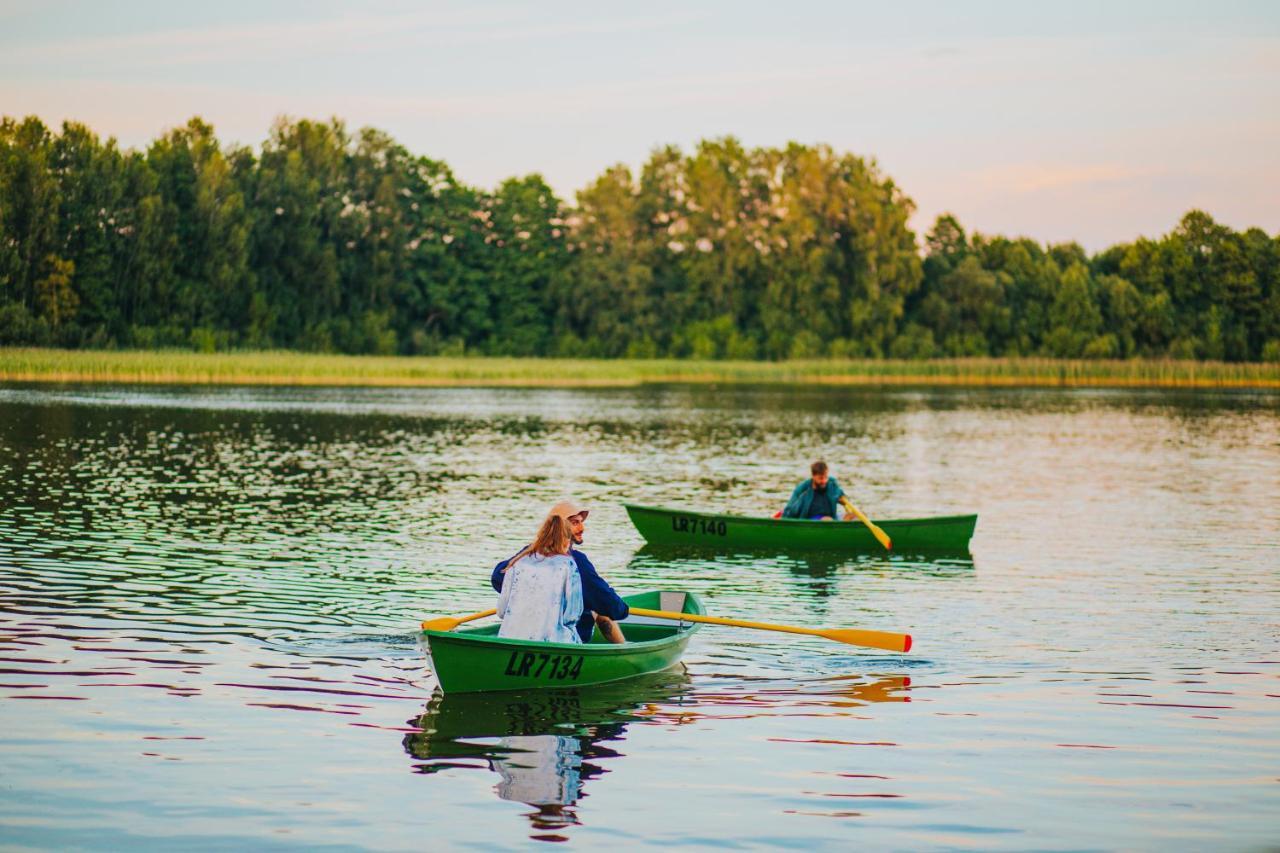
(1089,121)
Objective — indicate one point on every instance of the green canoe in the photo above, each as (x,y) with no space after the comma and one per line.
(470,660)
(950,533)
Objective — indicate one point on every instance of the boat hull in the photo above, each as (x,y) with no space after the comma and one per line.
(660,526)
(476,660)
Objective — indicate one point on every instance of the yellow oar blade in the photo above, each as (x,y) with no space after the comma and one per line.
(853,636)
(874,639)
(448,623)
(881,536)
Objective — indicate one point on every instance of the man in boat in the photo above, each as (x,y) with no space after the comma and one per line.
(816,498)
(601,605)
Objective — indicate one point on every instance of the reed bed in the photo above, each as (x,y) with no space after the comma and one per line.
(294,368)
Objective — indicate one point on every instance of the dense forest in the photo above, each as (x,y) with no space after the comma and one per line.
(328,241)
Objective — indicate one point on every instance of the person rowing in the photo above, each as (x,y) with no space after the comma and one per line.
(816,498)
(549,591)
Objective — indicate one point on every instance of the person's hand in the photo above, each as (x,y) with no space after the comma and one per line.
(848,516)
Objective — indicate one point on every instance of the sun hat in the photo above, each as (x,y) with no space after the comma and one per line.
(566,509)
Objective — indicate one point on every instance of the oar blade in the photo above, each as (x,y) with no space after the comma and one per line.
(886,640)
(444,623)
(880,535)
(448,623)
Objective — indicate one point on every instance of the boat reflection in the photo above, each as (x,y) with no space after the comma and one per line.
(543,744)
(819,568)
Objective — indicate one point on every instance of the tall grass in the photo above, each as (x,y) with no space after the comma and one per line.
(293,368)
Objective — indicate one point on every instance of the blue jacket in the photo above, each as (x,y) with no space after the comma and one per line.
(802,498)
(597,595)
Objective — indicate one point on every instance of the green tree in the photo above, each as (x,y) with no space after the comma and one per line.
(1074,318)
(529,258)
(326,240)
(298,205)
(609,294)
(30,199)
(56,301)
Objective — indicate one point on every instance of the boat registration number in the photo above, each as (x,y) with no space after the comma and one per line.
(545,666)
(694,526)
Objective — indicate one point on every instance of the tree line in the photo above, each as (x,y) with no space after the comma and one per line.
(329,241)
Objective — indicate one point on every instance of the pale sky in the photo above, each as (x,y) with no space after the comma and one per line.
(1083,120)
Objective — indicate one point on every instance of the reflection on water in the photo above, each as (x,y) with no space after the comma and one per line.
(208,600)
(817,571)
(545,745)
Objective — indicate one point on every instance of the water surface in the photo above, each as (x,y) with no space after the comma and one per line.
(207,603)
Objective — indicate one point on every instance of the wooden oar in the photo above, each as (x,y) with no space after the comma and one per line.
(875,531)
(852,636)
(448,623)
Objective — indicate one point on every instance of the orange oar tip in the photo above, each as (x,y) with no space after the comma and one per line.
(906,645)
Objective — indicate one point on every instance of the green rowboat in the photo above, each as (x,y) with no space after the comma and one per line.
(659,526)
(470,660)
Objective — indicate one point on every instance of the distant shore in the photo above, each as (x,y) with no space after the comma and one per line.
(293,368)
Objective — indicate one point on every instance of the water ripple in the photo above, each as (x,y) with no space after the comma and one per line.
(208,600)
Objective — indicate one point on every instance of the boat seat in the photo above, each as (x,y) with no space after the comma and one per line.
(672,602)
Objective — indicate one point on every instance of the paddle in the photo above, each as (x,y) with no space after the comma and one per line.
(875,531)
(852,636)
(448,623)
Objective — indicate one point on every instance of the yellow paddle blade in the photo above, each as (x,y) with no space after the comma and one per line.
(448,623)
(880,535)
(872,639)
(853,636)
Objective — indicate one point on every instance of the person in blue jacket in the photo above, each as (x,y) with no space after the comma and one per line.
(601,605)
(816,498)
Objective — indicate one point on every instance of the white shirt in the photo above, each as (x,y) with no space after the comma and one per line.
(541,600)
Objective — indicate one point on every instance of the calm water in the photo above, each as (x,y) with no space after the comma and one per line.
(207,604)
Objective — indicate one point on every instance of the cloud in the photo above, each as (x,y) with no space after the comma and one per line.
(1057,136)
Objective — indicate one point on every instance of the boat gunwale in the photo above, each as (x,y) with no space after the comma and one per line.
(594,649)
(473,636)
(752,519)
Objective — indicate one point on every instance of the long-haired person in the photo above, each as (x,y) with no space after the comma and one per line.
(550,592)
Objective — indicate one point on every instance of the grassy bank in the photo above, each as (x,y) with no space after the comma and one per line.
(289,368)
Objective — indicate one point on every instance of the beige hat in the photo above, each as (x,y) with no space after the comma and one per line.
(565,509)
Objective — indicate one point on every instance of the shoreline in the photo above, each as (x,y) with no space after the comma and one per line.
(279,368)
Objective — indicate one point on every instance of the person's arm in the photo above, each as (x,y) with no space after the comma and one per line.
(498,574)
(792,509)
(506,585)
(500,570)
(597,595)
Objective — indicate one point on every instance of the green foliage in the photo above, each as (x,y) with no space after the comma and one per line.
(337,242)
(915,341)
(1201,292)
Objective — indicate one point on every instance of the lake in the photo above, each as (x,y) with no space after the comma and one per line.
(208,603)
